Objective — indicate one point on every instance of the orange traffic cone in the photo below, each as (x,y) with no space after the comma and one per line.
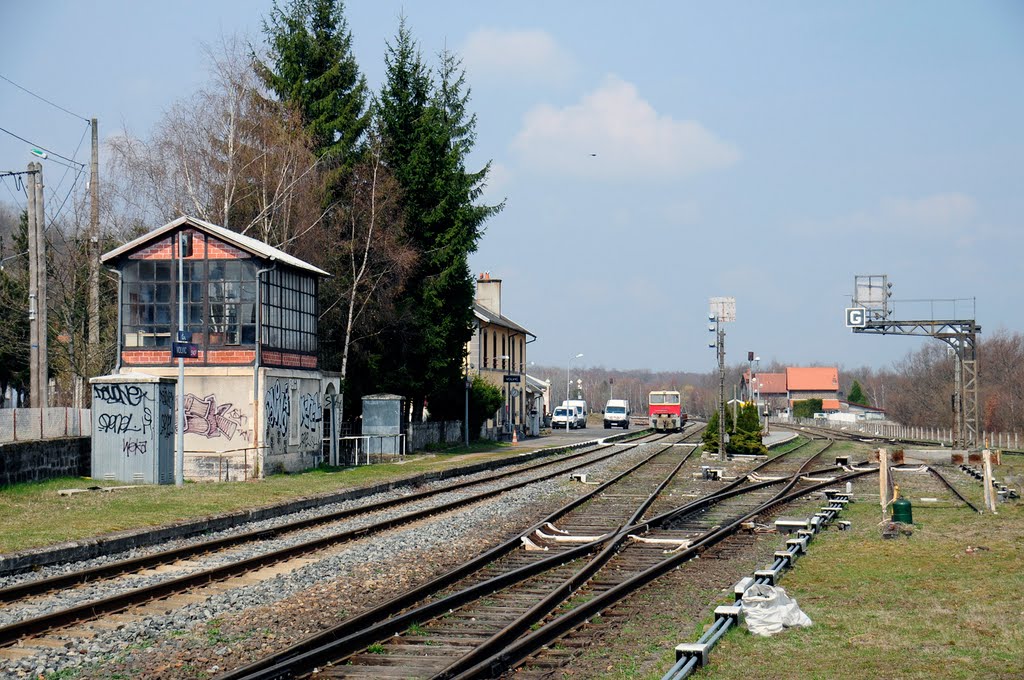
(515,436)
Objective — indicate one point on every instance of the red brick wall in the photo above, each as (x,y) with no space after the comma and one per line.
(217,357)
(287,359)
(202,246)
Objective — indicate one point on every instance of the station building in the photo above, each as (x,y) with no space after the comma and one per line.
(255,399)
(497,353)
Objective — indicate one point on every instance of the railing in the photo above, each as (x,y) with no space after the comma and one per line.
(876,428)
(371,448)
(33,424)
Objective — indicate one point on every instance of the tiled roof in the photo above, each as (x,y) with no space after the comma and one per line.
(818,379)
(770,383)
(490,317)
(829,404)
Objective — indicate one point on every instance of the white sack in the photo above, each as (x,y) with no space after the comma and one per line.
(767,610)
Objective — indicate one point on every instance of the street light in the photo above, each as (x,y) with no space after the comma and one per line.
(505,359)
(567,377)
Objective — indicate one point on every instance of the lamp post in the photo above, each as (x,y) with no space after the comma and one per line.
(567,383)
(505,359)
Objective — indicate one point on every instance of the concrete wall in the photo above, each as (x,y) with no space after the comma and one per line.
(45,459)
(293,419)
(422,434)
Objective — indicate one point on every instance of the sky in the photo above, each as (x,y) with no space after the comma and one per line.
(650,155)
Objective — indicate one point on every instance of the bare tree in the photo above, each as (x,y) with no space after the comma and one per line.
(372,258)
(229,154)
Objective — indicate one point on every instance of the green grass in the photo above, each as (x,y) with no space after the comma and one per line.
(33,514)
(917,607)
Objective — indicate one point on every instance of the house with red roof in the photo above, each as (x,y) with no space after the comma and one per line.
(818,382)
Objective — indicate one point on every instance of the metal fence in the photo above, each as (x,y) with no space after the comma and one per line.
(879,428)
(33,424)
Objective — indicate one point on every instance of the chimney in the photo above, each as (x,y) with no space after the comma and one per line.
(488,293)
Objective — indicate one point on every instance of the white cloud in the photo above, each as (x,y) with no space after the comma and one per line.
(614,134)
(532,56)
(947,209)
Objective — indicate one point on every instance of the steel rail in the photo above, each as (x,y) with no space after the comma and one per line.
(384,620)
(554,629)
(287,663)
(39,586)
(120,602)
(952,488)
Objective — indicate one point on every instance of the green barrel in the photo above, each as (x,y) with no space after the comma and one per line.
(901,511)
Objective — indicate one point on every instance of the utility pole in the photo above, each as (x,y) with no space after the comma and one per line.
(722,309)
(94,246)
(38,366)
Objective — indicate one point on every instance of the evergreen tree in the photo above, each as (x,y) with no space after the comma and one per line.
(856,395)
(427,136)
(746,440)
(806,408)
(313,70)
(710,436)
(14,324)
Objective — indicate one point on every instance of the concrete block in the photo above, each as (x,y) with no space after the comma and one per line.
(727,611)
(700,650)
(771,574)
(799,543)
(741,586)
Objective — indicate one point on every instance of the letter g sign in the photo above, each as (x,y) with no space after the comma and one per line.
(856,317)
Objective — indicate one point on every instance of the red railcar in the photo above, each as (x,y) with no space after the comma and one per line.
(665,410)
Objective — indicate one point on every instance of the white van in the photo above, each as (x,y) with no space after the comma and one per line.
(581,411)
(616,413)
(563,417)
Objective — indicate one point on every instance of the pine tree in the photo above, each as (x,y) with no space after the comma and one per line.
(856,395)
(312,68)
(427,135)
(710,436)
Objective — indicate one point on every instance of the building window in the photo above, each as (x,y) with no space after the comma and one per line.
(219,302)
(494,347)
(483,364)
(504,353)
(290,312)
(231,293)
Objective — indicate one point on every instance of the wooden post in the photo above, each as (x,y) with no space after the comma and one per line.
(883,479)
(990,497)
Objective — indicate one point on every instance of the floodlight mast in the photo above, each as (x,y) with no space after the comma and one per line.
(871,301)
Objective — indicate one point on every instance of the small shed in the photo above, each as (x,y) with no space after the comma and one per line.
(383,427)
(133,428)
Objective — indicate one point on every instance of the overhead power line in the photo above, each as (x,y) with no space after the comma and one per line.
(42,148)
(43,99)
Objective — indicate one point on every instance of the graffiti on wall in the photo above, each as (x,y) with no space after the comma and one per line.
(311,415)
(167,412)
(205,417)
(126,420)
(278,408)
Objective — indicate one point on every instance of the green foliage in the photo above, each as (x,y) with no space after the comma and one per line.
(710,436)
(14,325)
(748,420)
(856,395)
(427,135)
(807,408)
(312,69)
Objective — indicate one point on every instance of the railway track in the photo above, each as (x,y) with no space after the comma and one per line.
(37,607)
(493,612)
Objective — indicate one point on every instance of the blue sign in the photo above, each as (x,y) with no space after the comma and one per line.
(184,336)
(184,350)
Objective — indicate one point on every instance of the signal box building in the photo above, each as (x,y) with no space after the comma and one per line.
(254,395)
